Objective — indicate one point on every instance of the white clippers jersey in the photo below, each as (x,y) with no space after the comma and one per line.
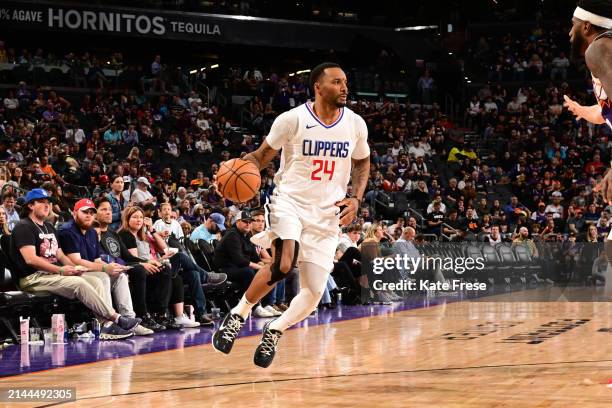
(315,164)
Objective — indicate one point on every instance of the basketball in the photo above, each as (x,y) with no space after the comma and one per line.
(238,180)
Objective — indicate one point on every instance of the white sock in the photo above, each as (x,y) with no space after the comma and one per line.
(243,308)
(313,279)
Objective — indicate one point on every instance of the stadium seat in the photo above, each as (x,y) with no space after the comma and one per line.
(507,256)
(524,258)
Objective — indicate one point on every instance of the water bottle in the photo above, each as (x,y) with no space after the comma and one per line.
(339,299)
(95,328)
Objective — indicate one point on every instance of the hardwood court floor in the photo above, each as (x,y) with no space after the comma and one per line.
(489,353)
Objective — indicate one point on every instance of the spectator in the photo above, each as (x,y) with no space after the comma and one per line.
(435,219)
(141,196)
(4,226)
(112,136)
(437,200)
(210,230)
(140,273)
(130,136)
(524,240)
(494,237)
(8,204)
(79,241)
(235,255)
(560,64)
(405,247)
(274,301)
(166,226)
(555,207)
(455,228)
(117,200)
(370,250)
(168,289)
(42,266)
(576,223)
(171,232)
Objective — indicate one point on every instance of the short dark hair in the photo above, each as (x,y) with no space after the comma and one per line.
(602,8)
(318,71)
(258,212)
(101,200)
(353,228)
(9,194)
(148,207)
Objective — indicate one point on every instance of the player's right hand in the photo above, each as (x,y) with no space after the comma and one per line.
(604,187)
(589,113)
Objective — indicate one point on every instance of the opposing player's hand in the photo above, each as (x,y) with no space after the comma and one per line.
(349,212)
(604,187)
(589,113)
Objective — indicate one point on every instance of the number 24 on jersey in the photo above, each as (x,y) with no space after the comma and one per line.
(325,166)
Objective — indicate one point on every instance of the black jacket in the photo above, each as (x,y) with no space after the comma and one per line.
(235,250)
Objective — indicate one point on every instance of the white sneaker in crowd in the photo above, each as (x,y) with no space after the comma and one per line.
(272,310)
(142,331)
(184,321)
(261,312)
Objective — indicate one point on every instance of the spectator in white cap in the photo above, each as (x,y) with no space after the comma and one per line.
(556,208)
(141,196)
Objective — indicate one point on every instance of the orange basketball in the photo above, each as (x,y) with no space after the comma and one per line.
(238,180)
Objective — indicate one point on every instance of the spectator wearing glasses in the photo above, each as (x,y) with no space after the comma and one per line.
(41,265)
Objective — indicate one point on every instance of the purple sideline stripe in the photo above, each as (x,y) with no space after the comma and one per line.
(17,360)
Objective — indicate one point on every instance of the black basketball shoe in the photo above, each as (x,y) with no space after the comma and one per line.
(226,334)
(264,354)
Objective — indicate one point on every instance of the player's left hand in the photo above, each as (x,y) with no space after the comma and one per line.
(605,187)
(348,213)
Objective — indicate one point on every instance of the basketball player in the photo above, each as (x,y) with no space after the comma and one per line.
(591,37)
(323,145)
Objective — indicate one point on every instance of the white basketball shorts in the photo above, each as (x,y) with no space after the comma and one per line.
(315,229)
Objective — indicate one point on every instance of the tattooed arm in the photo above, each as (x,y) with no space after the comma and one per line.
(359,180)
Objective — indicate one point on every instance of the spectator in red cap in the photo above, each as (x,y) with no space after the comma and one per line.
(41,265)
(79,241)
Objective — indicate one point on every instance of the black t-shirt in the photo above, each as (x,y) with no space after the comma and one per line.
(457,224)
(112,244)
(129,240)
(435,216)
(42,237)
(472,225)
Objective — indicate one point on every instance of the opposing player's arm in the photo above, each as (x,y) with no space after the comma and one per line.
(598,57)
(262,156)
